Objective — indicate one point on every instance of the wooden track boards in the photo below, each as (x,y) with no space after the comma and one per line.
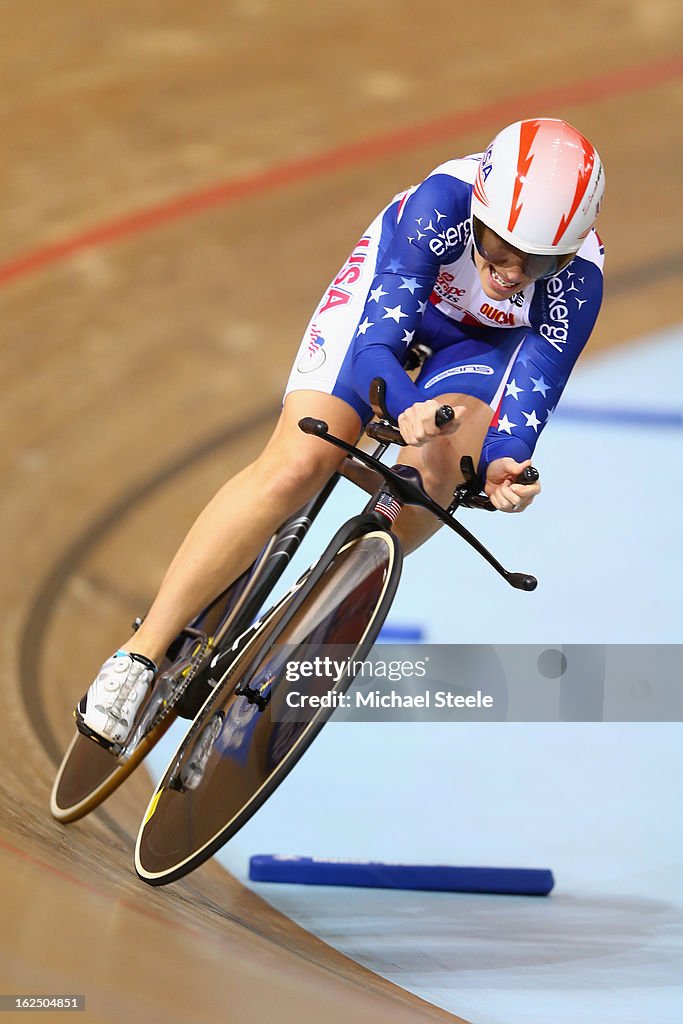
(142,368)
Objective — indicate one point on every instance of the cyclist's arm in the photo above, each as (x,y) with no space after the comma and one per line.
(403,284)
(563,314)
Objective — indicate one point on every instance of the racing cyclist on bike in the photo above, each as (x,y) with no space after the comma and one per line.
(493,263)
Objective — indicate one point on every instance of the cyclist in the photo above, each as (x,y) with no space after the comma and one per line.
(493,262)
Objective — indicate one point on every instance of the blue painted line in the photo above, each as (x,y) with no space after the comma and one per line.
(398,633)
(665,419)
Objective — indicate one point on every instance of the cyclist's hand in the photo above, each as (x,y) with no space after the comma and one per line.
(501,488)
(417,422)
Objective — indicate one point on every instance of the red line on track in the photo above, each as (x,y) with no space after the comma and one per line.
(616,83)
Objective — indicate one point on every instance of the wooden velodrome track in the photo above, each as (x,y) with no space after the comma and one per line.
(178,185)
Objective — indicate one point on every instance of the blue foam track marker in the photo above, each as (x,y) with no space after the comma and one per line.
(373,874)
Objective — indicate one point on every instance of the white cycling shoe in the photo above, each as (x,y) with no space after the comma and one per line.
(108,710)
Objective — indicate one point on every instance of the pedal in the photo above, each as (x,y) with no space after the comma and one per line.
(112,748)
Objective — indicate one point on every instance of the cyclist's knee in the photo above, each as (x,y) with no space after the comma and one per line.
(292,473)
(300,478)
(438,485)
(440,476)
(439,467)
(295,465)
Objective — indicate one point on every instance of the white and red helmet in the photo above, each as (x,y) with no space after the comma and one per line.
(539,186)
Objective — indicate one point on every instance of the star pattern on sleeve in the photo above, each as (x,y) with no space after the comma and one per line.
(540,385)
(573,290)
(505,424)
(422,229)
(544,360)
(409,283)
(512,389)
(532,420)
(401,293)
(394,313)
(398,296)
(532,413)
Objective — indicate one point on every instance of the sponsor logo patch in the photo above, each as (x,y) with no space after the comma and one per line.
(445,289)
(451,238)
(314,356)
(454,371)
(498,316)
(557,330)
(340,291)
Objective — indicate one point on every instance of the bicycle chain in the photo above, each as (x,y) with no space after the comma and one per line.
(180,686)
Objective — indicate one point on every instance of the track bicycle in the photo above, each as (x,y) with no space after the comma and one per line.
(245,739)
(91,771)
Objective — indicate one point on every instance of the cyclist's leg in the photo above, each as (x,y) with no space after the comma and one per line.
(233,528)
(237,522)
(439,464)
(479,367)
